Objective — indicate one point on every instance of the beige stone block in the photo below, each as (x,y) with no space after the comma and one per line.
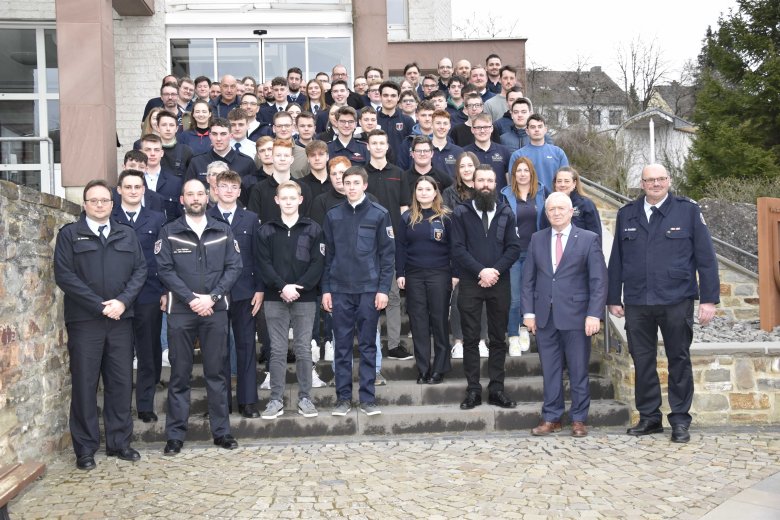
(743,374)
(749,401)
(725,289)
(748,418)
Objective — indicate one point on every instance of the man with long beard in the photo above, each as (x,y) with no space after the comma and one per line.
(484,245)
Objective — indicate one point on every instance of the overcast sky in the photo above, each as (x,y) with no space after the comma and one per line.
(559,31)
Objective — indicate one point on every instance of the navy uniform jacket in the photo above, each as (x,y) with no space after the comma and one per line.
(585,216)
(473,251)
(245,227)
(90,273)
(359,249)
(658,265)
(238,162)
(176,158)
(147,227)
(356,151)
(398,127)
(300,100)
(169,188)
(291,255)
(187,264)
(220,109)
(575,290)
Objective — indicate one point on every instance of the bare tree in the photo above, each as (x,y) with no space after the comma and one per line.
(489,25)
(641,66)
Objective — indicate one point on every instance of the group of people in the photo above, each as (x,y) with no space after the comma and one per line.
(243,216)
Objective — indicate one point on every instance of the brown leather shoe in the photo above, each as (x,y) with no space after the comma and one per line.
(578,429)
(546,428)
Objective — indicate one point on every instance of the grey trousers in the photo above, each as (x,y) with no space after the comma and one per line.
(393,316)
(279,316)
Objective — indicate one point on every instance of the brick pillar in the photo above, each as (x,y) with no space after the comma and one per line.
(85,54)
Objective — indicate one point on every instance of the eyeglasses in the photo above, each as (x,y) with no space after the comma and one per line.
(373,90)
(422,152)
(98,202)
(474,105)
(346,122)
(655,180)
(482,128)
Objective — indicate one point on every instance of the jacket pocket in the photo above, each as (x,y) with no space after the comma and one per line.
(366,239)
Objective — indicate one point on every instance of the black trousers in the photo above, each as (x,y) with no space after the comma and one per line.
(212,331)
(676,324)
(243,323)
(100,348)
(147,324)
(427,303)
(496,299)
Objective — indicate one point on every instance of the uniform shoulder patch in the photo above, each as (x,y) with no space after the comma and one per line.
(322,248)
(235,244)
(157,247)
(390,233)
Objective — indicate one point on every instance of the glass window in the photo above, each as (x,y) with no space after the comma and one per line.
(18,61)
(192,58)
(238,59)
(572,117)
(53,113)
(324,53)
(52,71)
(19,119)
(594,117)
(615,117)
(29,178)
(280,55)
(396,12)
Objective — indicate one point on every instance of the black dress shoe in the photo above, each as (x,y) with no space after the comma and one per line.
(172,447)
(680,433)
(472,399)
(436,378)
(128,454)
(248,410)
(87,462)
(147,416)
(501,399)
(645,427)
(226,441)
(422,379)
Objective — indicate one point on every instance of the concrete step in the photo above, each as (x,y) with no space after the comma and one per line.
(399,393)
(521,366)
(394,420)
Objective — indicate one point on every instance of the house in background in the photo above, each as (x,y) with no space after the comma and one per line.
(655,136)
(675,98)
(582,97)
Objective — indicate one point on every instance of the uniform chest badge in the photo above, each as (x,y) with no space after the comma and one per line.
(438,234)
(399,126)
(157,247)
(497,157)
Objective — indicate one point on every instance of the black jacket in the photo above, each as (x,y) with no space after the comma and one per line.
(90,273)
(473,251)
(187,264)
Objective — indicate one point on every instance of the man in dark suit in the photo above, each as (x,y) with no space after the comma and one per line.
(147,318)
(246,294)
(564,295)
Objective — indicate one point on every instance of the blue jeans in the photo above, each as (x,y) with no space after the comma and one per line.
(516,281)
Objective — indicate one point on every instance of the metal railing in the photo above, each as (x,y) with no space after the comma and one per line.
(622,198)
(51,154)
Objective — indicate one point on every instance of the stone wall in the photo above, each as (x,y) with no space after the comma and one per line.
(34,374)
(429,20)
(735,383)
(36,10)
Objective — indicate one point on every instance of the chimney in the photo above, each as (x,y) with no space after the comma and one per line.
(597,68)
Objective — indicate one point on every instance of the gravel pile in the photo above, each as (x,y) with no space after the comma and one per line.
(723,329)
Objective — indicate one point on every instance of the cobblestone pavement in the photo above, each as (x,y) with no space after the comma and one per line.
(606,475)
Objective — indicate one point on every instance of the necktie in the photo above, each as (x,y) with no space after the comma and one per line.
(316,107)
(227,215)
(653,213)
(280,109)
(558,249)
(485,222)
(100,233)
(131,216)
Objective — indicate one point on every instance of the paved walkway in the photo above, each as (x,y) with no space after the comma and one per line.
(722,473)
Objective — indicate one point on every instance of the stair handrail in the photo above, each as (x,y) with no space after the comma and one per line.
(622,198)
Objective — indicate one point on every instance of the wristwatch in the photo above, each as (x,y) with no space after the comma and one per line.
(216,297)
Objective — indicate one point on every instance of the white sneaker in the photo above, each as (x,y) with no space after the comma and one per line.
(457,350)
(316,382)
(329,351)
(165,361)
(266,384)
(514,346)
(315,351)
(483,349)
(135,363)
(525,339)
